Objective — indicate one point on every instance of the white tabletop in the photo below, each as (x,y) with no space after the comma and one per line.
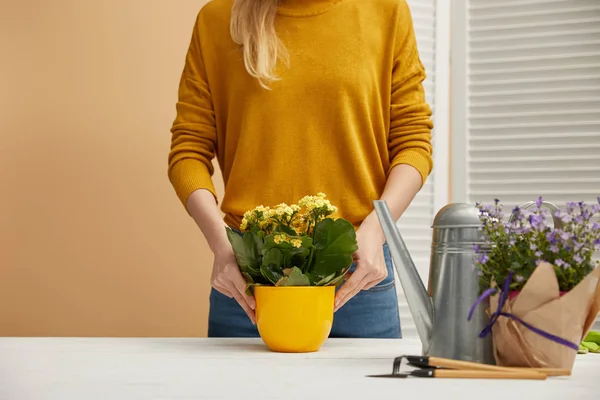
(169,369)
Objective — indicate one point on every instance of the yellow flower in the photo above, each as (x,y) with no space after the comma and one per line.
(310,203)
(296,243)
(280,238)
(299,224)
(283,209)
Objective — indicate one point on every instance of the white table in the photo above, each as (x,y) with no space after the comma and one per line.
(168,369)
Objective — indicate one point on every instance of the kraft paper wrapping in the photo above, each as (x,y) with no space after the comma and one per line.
(540,305)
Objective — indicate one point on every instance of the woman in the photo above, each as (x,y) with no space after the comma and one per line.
(296,97)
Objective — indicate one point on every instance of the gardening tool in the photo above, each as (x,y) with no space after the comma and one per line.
(440,312)
(462,374)
(435,367)
(444,363)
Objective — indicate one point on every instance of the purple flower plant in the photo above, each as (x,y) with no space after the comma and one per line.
(529,237)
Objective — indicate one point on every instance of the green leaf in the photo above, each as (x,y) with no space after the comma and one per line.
(325,280)
(292,256)
(247,248)
(297,278)
(254,273)
(273,257)
(339,279)
(285,229)
(272,268)
(247,277)
(271,273)
(335,244)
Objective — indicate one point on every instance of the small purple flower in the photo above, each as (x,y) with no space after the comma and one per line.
(519,278)
(538,254)
(532,247)
(483,259)
(578,246)
(566,218)
(479,273)
(579,219)
(537,221)
(595,226)
(578,259)
(565,236)
(476,248)
(554,248)
(559,263)
(551,237)
(566,266)
(538,202)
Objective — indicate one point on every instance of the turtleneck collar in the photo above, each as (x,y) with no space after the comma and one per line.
(305,8)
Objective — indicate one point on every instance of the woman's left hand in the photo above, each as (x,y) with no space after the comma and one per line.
(370,263)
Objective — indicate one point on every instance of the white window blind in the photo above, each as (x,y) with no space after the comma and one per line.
(527,89)
(415,224)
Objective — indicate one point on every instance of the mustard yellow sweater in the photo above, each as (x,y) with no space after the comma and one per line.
(349,108)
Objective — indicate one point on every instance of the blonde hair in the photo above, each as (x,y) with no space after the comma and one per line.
(253,28)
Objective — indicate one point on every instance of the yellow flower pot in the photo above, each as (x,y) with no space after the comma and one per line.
(294,319)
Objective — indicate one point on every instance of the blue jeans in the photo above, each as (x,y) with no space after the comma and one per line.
(371,313)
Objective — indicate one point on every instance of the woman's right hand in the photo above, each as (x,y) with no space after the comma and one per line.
(226,276)
(227,279)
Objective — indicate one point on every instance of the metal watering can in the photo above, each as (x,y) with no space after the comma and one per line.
(440,312)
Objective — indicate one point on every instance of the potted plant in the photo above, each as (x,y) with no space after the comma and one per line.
(518,245)
(542,281)
(292,258)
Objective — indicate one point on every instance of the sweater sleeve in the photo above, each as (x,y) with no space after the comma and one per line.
(194,136)
(410,114)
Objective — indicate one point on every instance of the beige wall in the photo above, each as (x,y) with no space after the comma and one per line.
(93,241)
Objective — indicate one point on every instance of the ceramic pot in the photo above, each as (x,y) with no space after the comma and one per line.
(294,319)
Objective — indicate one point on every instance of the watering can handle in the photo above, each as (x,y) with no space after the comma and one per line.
(548,205)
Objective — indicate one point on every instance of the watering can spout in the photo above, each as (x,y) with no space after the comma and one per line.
(417,297)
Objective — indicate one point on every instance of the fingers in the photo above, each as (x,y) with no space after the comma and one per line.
(241,299)
(240,286)
(233,285)
(367,275)
(351,287)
